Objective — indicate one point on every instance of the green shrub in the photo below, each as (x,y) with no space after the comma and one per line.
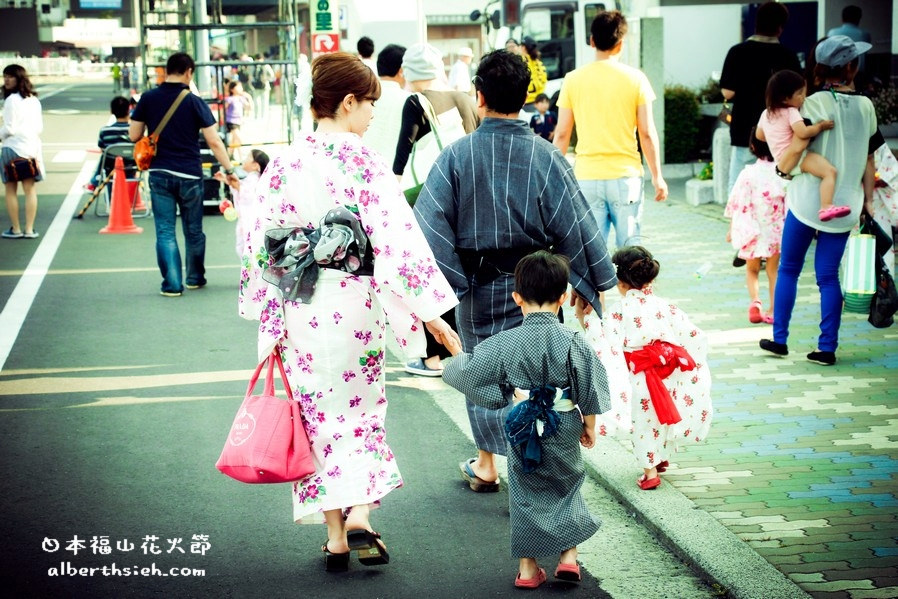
(886,104)
(710,93)
(707,173)
(681,117)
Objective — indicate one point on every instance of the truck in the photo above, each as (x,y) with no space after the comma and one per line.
(561,30)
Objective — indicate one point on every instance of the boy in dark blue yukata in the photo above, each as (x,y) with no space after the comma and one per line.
(558,385)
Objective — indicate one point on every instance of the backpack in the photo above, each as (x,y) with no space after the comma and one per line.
(258,80)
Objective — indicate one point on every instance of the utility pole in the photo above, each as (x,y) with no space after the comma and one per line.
(201,43)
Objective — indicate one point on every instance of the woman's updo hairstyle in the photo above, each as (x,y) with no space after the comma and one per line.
(635,266)
(335,76)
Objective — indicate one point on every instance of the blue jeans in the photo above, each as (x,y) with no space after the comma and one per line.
(169,193)
(797,239)
(616,202)
(739,158)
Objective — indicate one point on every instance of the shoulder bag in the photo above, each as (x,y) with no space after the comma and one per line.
(444,129)
(885,301)
(726,113)
(145,147)
(267,442)
(21,169)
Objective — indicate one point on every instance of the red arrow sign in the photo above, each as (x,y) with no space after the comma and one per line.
(324,43)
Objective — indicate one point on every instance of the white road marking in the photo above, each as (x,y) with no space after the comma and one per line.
(69,156)
(19,304)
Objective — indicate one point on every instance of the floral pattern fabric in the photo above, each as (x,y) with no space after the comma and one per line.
(756,207)
(638,319)
(333,346)
(617,420)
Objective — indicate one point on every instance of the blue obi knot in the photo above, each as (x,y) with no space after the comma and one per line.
(521,425)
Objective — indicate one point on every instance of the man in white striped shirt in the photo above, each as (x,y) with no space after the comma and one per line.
(491,198)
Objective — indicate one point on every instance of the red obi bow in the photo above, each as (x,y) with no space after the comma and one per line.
(658,360)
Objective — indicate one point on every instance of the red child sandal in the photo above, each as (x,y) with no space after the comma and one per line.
(647,484)
(754,312)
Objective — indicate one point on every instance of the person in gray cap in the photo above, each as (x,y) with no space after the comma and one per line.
(422,65)
(849,147)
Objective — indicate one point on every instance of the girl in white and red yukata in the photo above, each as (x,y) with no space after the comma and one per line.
(667,358)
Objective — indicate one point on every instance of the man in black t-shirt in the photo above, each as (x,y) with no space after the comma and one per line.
(176,172)
(746,70)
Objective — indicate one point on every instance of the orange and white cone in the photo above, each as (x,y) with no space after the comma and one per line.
(120,220)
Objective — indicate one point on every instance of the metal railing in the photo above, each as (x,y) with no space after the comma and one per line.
(59,66)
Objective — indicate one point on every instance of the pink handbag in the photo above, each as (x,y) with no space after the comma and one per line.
(267,442)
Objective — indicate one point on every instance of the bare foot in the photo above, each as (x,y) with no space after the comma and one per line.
(337,545)
(569,556)
(488,474)
(434,363)
(528,568)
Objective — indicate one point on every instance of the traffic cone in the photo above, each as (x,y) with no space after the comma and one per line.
(120,220)
(139,206)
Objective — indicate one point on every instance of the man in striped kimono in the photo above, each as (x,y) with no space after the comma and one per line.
(491,198)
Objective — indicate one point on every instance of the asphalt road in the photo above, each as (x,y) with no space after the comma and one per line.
(115,404)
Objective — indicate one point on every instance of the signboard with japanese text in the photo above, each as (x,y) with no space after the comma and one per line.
(324,15)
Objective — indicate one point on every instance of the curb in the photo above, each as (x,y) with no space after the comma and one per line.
(695,536)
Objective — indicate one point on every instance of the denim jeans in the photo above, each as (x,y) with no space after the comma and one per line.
(169,193)
(739,158)
(616,202)
(797,238)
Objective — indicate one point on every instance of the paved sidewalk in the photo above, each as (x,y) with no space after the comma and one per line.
(801,461)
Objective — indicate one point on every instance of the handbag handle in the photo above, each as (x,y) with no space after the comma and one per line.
(430,115)
(269,376)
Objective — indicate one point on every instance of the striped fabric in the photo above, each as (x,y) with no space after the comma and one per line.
(502,187)
(116,133)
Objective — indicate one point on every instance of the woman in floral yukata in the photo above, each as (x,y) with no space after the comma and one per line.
(332,338)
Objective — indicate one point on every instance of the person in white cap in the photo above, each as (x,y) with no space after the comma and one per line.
(849,147)
(460,74)
(422,66)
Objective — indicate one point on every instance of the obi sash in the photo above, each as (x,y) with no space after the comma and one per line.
(296,254)
(534,418)
(657,361)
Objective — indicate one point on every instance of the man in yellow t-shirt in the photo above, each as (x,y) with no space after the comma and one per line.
(611,103)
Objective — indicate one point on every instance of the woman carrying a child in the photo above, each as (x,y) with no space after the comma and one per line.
(848,147)
(331,338)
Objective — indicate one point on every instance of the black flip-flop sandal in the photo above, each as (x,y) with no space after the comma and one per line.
(371,550)
(335,562)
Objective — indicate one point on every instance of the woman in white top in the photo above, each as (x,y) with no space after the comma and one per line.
(19,134)
(848,147)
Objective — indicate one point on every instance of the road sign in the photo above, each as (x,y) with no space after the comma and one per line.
(324,15)
(323,43)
